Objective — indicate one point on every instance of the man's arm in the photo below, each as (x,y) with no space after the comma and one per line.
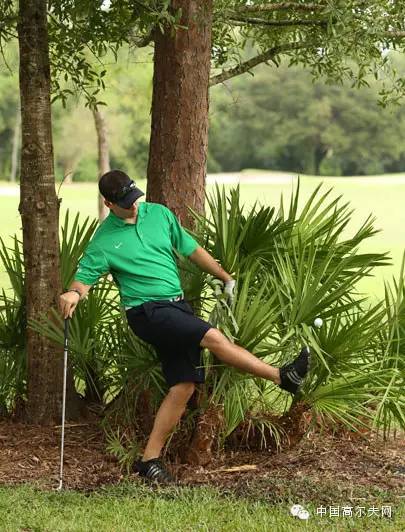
(68,300)
(207,263)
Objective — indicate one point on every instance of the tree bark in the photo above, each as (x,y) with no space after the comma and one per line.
(179,132)
(39,211)
(291,428)
(16,146)
(103,156)
(205,437)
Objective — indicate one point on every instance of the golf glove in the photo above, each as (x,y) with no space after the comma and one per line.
(229,291)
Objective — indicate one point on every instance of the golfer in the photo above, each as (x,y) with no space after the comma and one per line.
(136,244)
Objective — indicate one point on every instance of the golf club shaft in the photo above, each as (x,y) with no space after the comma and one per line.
(62,444)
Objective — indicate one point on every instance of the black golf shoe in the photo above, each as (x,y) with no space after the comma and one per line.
(293,374)
(154,471)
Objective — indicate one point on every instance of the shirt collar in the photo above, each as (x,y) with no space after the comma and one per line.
(119,222)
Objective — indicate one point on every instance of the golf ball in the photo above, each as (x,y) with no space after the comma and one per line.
(303,514)
(295,509)
(318,322)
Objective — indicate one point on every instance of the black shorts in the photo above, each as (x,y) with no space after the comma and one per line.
(175,332)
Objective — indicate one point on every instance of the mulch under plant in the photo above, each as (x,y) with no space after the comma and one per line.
(30,454)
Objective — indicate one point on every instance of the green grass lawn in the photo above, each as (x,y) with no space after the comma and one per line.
(132,507)
(381,196)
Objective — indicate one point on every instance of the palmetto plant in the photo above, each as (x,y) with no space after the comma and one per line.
(88,338)
(12,329)
(87,328)
(237,238)
(291,265)
(390,406)
(12,353)
(12,307)
(74,238)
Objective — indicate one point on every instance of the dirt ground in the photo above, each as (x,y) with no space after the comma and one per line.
(31,454)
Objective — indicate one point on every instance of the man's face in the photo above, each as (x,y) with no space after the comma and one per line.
(123,213)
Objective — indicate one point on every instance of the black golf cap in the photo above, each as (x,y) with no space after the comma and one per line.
(119,188)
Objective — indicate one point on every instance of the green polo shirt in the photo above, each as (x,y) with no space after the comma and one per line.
(139,256)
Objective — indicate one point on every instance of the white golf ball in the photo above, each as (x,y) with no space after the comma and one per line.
(303,514)
(295,509)
(318,322)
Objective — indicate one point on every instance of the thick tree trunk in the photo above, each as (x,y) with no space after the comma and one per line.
(179,134)
(39,211)
(103,156)
(16,146)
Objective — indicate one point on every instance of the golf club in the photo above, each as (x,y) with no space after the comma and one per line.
(62,443)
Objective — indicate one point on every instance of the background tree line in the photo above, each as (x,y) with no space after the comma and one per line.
(277,120)
(280,120)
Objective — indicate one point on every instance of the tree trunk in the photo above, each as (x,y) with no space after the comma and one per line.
(205,437)
(320,154)
(16,146)
(291,427)
(293,422)
(179,133)
(39,211)
(103,157)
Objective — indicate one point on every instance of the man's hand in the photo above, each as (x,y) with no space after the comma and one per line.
(208,264)
(68,302)
(229,290)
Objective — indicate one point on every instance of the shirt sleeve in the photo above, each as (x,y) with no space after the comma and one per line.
(181,240)
(92,265)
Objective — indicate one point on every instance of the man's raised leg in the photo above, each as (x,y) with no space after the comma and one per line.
(288,377)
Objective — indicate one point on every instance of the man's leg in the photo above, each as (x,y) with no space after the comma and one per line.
(289,377)
(238,357)
(167,417)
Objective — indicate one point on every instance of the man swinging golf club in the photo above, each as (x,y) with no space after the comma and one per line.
(136,244)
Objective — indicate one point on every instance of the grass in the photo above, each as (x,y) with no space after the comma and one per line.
(381,196)
(133,507)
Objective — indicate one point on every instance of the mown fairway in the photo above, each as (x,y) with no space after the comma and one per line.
(135,508)
(381,196)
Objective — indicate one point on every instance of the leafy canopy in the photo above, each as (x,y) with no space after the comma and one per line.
(337,39)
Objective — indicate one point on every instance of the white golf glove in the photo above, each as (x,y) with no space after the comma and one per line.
(229,287)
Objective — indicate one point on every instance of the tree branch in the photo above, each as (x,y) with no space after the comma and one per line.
(260,22)
(144,41)
(246,66)
(281,6)
(395,34)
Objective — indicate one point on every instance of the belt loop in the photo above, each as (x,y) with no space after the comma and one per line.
(177,298)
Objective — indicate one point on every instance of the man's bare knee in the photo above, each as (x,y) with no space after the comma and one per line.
(212,339)
(183,390)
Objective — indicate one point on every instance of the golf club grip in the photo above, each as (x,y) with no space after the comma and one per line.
(66,333)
